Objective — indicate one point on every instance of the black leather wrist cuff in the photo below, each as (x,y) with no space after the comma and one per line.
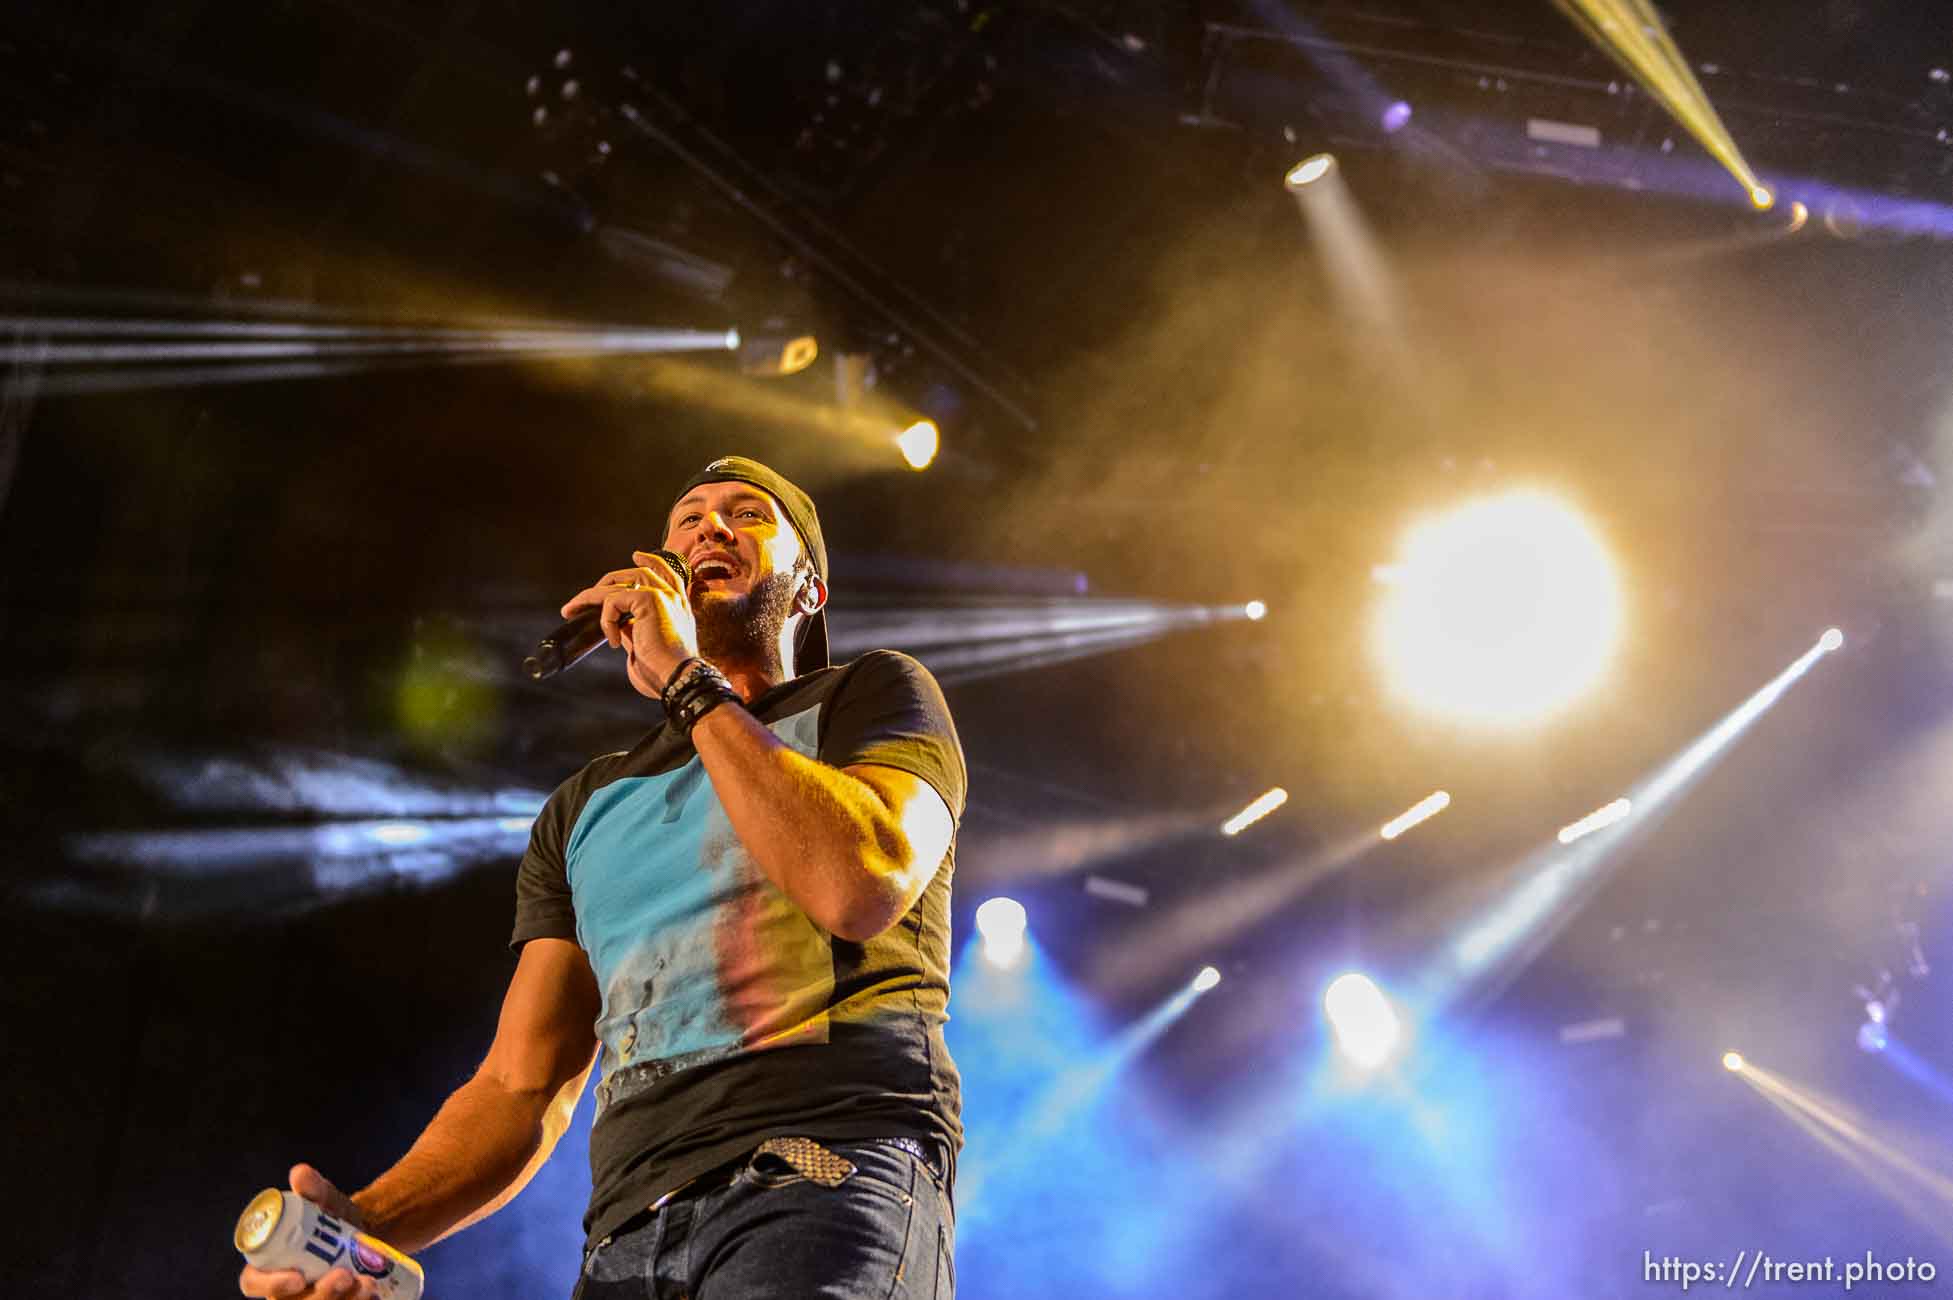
(694,690)
(699,702)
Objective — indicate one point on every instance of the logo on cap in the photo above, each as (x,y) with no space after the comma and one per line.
(718,465)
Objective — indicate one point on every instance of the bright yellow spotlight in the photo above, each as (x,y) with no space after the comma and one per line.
(1799,215)
(1762,197)
(798,354)
(1732,1061)
(1309,169)
(1255,610)
(1500,612)
(919,443)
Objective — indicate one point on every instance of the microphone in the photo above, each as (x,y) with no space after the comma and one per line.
(568,644)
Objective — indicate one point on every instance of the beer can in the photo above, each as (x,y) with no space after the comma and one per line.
(284,1230)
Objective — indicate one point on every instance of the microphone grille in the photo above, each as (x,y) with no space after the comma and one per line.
(678,566)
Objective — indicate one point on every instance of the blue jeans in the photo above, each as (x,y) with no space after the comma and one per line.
(886,1233)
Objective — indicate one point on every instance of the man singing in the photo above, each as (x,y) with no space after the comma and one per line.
(744,920)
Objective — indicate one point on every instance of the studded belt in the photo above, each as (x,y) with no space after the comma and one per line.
(930,1158)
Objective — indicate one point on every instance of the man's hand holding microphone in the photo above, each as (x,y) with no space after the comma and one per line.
(647,613)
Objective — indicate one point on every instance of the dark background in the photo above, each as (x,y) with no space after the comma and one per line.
(272,609)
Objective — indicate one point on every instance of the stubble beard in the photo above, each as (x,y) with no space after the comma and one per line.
(746,628)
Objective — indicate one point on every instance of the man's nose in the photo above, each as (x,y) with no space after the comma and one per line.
(714,525)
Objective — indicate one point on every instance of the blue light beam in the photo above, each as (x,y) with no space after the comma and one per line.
(1538,898)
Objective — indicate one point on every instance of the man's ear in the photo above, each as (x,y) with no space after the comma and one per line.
(812,596)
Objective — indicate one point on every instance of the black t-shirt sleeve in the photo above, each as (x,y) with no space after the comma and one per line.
(542,883)
(890,711)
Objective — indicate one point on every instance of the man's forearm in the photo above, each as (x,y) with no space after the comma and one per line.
(825,838)
(479,1150)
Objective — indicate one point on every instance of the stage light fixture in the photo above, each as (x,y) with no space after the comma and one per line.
(1366,1026)
(1309,170)
(1599,819)
(1762,197)
(772,356)
(1002,922)
(1732,1061)
(1255,610)
(1800,216)
(919,443)
(1421,811)
(400,834)
(1207,979)
(1396,117)
(1832,639)
(1873,1036)
(1255,811)
(1499,611)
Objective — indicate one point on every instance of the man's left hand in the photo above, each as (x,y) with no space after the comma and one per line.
(647,613)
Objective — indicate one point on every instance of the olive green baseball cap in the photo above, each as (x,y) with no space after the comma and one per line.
(810,651)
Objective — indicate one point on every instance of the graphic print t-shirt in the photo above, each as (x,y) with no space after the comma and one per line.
(728,1015)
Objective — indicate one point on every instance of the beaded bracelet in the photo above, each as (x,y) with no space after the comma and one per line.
(683,676)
